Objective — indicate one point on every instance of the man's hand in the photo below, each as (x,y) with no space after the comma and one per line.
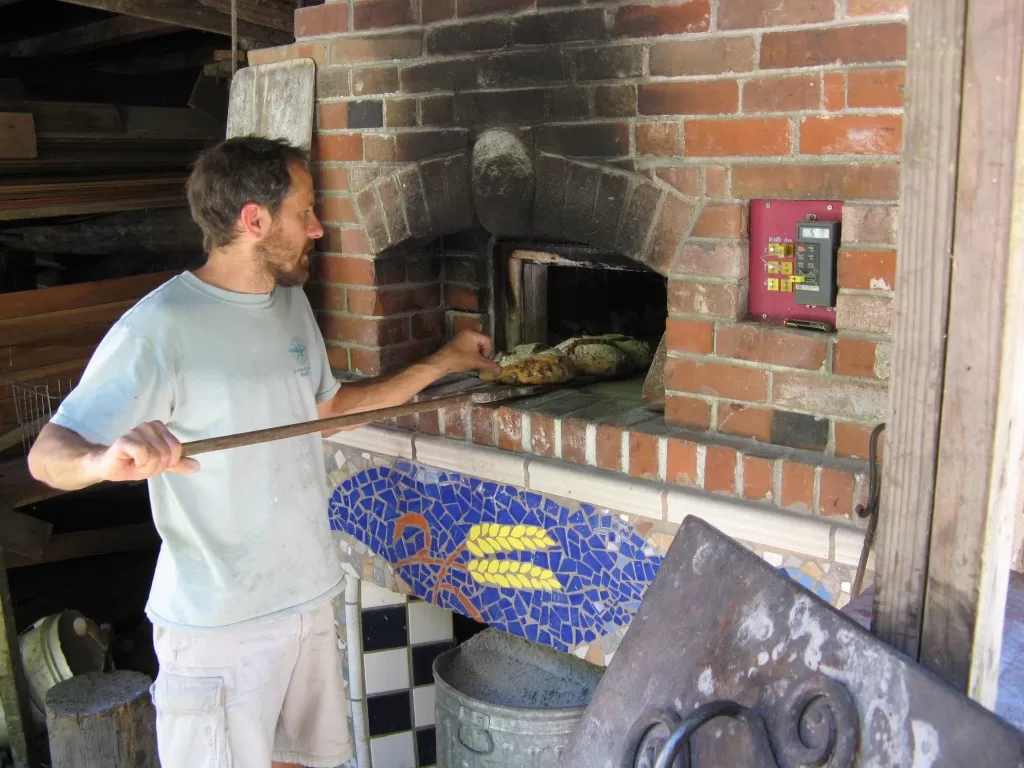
(468,351)
(64,459)
(148,450)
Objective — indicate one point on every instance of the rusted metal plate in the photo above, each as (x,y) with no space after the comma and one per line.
(810,686)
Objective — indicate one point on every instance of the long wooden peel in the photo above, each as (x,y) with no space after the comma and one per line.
(497,394)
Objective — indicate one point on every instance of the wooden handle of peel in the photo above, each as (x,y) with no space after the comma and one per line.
(319,425)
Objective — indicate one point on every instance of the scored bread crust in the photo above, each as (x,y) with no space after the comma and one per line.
(596,358)
(608,356)
(532,364)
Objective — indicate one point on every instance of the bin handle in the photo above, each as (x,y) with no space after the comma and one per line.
(473,731)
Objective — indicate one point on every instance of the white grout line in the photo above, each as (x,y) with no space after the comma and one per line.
(590,445)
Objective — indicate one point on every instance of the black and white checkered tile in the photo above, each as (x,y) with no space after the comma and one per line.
(401,639)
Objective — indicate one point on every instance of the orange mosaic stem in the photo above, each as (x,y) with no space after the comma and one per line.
(471,611)
(448,564)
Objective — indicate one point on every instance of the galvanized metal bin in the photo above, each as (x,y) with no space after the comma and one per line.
(504,702)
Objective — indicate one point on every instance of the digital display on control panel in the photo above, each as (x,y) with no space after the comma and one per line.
(818,233)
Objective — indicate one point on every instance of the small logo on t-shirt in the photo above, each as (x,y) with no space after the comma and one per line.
(299,350)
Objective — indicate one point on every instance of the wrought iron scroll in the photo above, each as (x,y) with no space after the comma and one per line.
(814,725)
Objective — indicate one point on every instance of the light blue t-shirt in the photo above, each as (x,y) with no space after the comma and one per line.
(246,538)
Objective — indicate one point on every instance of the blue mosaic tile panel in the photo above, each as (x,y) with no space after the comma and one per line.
(514,559)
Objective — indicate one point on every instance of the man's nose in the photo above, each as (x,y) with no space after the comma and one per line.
(316,229)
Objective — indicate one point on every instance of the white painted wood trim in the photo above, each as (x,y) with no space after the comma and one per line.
(754,524)
(387,442)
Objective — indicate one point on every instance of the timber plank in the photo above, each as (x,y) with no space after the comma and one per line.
(17,136)
(14,689)
(931,135)
(981,436)
(274,14)
(24,330)
(65,297)
(186,13)
(62,371)
(23,534)
(18,488)
(102,541)
(74,346)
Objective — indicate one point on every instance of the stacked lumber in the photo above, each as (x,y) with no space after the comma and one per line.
(48,335)
(33,200)
(97,158)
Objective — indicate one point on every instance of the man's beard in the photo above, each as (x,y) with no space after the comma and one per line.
(278,260)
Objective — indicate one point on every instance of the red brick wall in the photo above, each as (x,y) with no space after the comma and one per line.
(710,103)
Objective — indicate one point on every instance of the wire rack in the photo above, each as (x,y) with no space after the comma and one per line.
(34,404)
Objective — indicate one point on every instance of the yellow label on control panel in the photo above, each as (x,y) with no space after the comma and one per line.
(786,285)
(780,250)
(779,267)
(773,284)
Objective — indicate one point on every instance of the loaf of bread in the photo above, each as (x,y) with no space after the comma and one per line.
(608,356)
(532,364)
(596,358)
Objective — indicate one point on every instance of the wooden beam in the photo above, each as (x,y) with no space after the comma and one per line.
(77,295)
(981,436)
(17,135)
(955,442)
(13,685)
(23,534)
(167,62)
(535,303)
(275,14)
(931,135)
(87,37)
(134,537)
(186,13)
(18,488)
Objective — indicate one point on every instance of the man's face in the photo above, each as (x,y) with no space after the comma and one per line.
(284,251)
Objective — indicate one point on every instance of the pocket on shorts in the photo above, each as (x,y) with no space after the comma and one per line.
(191,723)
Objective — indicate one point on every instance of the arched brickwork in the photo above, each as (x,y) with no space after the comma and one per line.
(611,209)
(419,200)
(598,205)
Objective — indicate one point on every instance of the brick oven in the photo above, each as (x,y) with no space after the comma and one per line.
(650,129)
(463,146)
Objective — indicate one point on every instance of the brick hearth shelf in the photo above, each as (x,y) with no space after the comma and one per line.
(649,129)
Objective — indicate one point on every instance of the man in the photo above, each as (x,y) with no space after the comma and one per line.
(241,594)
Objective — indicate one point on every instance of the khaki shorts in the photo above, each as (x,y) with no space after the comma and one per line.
(242,698)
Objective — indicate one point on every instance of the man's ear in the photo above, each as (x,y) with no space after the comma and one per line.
(255,220)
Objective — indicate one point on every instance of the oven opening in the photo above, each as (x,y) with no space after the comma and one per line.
(555,293)
(594,302)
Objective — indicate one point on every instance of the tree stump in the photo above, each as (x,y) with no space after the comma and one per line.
(102,720)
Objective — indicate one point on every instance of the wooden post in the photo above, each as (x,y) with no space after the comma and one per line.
(13,685)
(981,437)
(102,720)
(954,438)
(931,135)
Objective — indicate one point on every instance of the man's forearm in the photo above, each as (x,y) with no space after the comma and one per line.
(63,459)
(385,391)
